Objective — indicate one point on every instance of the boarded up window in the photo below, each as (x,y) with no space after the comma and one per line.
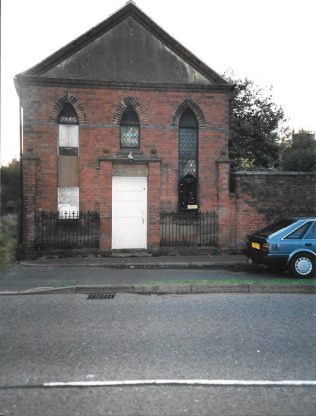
(68,171)
(68,202)
(68,139)
(68,163)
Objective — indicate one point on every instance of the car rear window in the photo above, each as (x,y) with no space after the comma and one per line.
(311,234)
(299,232)
(272,228)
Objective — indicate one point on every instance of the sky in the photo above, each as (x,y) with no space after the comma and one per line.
(271,42)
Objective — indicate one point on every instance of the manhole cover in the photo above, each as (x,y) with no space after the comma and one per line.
(101,296)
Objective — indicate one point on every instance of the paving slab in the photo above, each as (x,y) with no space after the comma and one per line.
(220,288)
(94,274)
(206,261)
(105,289)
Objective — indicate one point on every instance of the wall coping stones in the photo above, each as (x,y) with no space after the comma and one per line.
(272,173)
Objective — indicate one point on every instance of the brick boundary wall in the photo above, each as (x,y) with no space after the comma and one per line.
(260,197)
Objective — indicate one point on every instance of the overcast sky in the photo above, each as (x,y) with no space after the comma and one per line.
(272,42)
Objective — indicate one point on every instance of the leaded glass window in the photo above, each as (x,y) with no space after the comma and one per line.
(188,151)
(188,157)
(129,128)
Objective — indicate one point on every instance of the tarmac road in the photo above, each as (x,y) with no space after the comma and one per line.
(68,338)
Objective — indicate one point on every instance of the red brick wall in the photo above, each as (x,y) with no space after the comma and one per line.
(30,175)
(262,197)
(99,137)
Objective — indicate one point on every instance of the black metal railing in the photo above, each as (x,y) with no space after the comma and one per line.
(188,228)
(67,229)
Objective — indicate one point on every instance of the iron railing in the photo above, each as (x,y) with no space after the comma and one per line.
(188,229)
(67,230)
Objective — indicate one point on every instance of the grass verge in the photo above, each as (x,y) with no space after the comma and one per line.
(62,285)
(8,239)
(236,282)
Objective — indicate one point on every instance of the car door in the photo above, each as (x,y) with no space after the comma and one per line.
(309,240)
(294,241)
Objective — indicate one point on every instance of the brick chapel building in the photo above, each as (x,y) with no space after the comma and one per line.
(126,122)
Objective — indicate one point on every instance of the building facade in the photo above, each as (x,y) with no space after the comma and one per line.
(126,122)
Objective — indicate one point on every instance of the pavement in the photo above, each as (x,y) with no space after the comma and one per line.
(141,261)
(144,261)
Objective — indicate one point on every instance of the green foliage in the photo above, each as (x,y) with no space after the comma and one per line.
(8,238)
(10,185)
(299,153)
(256,124)
(279,281)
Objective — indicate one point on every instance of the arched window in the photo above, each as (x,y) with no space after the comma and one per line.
(68,166)
(68,115)
(68,131)
(188,161)
(129,128)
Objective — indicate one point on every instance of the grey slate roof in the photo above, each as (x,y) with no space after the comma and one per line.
(127,49)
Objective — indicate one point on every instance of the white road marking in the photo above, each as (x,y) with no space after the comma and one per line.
(109,383)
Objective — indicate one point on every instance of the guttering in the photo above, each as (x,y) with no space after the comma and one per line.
(21,171)
(30,80)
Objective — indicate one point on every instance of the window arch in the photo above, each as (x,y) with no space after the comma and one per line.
(74,102)
(129,128)
(188,103)
(188,161)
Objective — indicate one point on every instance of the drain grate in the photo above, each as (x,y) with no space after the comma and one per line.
(101,296)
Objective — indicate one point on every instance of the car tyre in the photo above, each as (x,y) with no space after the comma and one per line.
(302,265)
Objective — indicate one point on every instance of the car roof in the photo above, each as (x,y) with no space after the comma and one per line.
(302,218)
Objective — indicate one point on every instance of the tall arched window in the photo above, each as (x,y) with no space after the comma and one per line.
(129,128)
(68,166)
(188,161)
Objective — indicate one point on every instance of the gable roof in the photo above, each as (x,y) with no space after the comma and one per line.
(128,49)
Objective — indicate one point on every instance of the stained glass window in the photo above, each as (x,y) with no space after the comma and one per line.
(188,151)
(129,128)
(188,166)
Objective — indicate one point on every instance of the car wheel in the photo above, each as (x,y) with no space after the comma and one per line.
(302,265)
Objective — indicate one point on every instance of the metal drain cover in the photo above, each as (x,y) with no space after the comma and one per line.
(101,296)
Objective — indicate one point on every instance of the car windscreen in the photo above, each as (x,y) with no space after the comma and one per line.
(272,228)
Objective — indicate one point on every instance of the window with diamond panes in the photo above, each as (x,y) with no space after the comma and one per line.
(188,168)
(129,128)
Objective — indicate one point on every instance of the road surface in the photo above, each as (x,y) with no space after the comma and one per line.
(220,337)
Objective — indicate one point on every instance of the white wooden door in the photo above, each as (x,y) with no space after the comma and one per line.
(129,212)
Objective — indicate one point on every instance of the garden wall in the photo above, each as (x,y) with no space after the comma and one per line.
(264,196)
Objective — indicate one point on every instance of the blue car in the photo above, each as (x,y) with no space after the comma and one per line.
(287,244)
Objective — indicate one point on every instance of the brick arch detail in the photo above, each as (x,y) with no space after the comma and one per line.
(188,103)
(60,103)
(135,104)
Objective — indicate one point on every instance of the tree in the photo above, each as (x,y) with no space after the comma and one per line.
(10,186)
(299,153)
(257,125)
